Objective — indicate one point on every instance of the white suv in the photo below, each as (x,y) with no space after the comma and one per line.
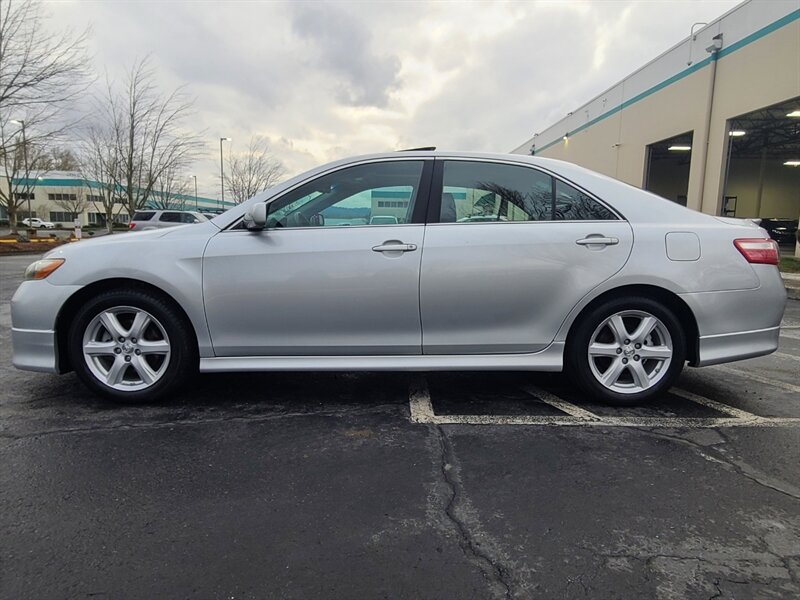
(157,219)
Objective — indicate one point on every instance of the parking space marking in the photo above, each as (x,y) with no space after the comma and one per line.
(792,335)
(713,404)
(562,405)
(789,387)
(421,411)
(785,355)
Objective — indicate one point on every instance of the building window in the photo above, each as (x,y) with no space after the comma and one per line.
(24,196)
(60,216)
(62,197)
(94,198)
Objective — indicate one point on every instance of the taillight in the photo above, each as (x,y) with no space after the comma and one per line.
(131,225)
(758,251)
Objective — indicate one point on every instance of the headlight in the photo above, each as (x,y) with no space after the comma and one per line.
(42,268)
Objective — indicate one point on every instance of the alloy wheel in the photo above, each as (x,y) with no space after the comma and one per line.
(630,351)
(126,348)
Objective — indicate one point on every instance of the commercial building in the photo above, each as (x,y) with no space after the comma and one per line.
(713,123)
(55,195)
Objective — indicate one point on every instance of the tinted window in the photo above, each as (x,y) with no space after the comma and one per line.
(476,192)
(187,218)
(480,192)
(143,216)
(374,194)
(574,205)
(170,217)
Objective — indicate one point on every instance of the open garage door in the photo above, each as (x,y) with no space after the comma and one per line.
(763,174)
(667,172)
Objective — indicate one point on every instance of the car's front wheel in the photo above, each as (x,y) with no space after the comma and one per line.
(627,350)
(131,346)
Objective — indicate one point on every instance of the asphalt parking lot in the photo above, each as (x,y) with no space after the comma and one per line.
(446,485)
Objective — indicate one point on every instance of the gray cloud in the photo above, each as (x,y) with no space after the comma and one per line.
(330,80)
(343,44)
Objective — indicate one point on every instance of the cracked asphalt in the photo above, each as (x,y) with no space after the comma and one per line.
(319,486)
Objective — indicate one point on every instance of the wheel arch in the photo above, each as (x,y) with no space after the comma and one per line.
(74,302)
(666,297)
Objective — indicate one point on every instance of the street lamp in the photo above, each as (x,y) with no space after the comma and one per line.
(21,122)
(222,169)
(195,191)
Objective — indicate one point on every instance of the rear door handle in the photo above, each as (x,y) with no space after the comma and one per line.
(604,241)
(386,247)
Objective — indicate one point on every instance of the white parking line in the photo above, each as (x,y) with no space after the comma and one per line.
(718,406)
(792,335)
(789,387)
(785,355)
(421,411)
(562,405)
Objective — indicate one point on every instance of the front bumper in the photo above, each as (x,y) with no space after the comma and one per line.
(35,350)
(34,310)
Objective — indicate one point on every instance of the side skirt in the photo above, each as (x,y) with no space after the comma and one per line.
(549,359)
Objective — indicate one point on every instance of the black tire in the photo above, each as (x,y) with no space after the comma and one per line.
(183,359)
(578,362)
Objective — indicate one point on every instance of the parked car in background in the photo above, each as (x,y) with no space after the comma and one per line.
(566,270)
(37,223)
(144,220)
(783,231)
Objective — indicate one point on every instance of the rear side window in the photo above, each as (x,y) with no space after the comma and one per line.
(187,218)
(477,192)
(574,205)
(143,215)
(481,192)
(170,217)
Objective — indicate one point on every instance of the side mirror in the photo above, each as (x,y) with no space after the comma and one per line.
(255,219)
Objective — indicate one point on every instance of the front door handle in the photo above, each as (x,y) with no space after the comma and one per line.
(601,241)
(394,247)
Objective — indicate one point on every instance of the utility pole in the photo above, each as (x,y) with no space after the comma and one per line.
(222,170)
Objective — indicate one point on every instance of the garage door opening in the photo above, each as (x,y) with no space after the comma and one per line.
(763,174)
(667,172)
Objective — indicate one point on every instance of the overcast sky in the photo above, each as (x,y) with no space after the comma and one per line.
(328,80)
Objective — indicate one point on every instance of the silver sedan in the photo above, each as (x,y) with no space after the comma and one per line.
(412,261)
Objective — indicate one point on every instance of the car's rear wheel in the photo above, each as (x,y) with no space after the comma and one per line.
(131,346)
(627,350)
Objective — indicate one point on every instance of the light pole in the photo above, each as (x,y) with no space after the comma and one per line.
(195,191)
(21,122)
(222,169)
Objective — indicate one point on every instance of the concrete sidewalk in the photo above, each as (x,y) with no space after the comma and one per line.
(792,283)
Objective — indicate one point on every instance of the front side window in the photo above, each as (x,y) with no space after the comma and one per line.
(477,192)
(373,194)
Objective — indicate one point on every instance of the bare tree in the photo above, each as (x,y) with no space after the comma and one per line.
(253,171)
(148,135)
(98,166)
(170,190)
(40,75)
(73,201)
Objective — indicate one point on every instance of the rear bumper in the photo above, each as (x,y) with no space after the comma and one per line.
(34,350)
(729,347)
(738,324)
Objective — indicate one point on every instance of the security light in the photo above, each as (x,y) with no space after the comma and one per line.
(737,133)
(792,163)
(794,113)
(679,148)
